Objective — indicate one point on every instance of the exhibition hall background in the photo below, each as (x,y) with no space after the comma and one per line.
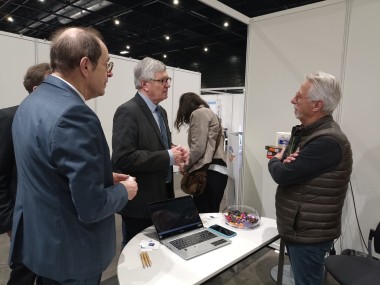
(336,36)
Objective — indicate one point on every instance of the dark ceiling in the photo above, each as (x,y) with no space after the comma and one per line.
(143,25)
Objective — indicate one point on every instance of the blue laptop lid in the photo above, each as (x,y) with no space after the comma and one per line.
(174,216)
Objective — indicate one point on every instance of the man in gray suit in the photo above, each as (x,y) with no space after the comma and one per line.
(63,223)
(142,146)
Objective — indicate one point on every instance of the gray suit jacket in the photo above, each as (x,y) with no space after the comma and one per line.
(63,224)
(138,150)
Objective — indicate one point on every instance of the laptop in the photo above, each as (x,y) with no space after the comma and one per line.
(180,228)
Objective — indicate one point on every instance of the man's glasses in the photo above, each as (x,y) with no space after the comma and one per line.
(109,66)
(163,81)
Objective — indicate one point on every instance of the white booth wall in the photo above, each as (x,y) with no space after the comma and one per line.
(337,37)
(19,52)
(231,108)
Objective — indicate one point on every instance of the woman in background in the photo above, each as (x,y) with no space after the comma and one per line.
(203,130)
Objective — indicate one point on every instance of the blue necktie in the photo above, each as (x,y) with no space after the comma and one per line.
(164,136)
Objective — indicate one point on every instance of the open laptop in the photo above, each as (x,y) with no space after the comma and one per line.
(180,228)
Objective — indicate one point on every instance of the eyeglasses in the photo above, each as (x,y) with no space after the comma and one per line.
(163,81)
(109,66)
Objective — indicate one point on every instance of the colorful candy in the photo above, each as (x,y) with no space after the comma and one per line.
(241,219)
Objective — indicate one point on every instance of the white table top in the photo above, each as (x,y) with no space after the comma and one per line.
(169,268)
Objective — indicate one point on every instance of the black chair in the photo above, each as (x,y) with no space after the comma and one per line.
(357,270)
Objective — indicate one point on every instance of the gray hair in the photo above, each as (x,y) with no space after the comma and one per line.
(325,88)
(146,69)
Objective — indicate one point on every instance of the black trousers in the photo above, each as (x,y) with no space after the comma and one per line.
(209,201)
(21,275)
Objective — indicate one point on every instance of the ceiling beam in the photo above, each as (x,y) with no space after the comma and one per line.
(227,10)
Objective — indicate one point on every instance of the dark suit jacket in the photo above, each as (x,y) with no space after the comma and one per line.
(63,223)
(138,150)
(8,175)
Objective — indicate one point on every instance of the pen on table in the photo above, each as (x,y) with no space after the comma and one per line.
(148,258)
(142,259)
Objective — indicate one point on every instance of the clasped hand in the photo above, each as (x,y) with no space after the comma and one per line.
(129,183)
(181,155)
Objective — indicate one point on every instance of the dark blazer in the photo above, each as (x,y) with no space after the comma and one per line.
(63,223)
(138,150)
(8,176)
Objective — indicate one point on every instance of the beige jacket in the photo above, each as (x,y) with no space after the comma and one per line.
(203,131)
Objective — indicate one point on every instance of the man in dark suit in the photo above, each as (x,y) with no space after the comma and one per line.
(34,76)
(63,222)
(142,146)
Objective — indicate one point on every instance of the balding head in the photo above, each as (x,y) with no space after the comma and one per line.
(70,45)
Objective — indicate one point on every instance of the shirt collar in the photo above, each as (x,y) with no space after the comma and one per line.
(150,104)
(80,95)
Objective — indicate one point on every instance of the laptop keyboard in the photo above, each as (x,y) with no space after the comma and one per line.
(190,240)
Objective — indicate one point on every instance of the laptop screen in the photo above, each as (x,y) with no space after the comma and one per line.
(174,216)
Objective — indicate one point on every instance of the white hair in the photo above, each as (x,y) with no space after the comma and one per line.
(325,88)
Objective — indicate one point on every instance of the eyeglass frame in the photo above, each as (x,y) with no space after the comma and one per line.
(109,66)
(163,81)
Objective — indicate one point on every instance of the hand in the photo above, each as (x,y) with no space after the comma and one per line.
(185,155)
(131,185)
(117,177)
(292,157)
(181,155)
(280,154)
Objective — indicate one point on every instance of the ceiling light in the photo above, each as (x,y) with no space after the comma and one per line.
(124,52)
(206,49)
(117,22)
(167,37)
(226,24)
(41,0)
(10,19)
(164,55)
(175,2)
(128,47)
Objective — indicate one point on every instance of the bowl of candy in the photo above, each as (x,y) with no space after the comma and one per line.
(241,216)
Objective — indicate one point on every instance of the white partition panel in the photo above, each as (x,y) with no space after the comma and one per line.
(183,81)
(43,51)
(360,120)
(336,37)
(283,47)
(17,54)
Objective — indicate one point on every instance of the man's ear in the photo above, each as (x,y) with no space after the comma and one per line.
(144,85)
(318,105)
(34,87)
(85,65)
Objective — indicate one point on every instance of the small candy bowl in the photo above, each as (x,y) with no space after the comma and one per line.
(240,216)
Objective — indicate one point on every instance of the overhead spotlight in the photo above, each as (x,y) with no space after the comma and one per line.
(175,2)
(41,0)
(226,24)
(10,19)
(164,55)
(124,52)
(117,22)
(167,37)
(206,49)
(128,47)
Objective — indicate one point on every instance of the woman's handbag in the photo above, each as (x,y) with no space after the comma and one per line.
(194,183)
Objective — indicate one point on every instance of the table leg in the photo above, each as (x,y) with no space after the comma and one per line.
(281,263)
